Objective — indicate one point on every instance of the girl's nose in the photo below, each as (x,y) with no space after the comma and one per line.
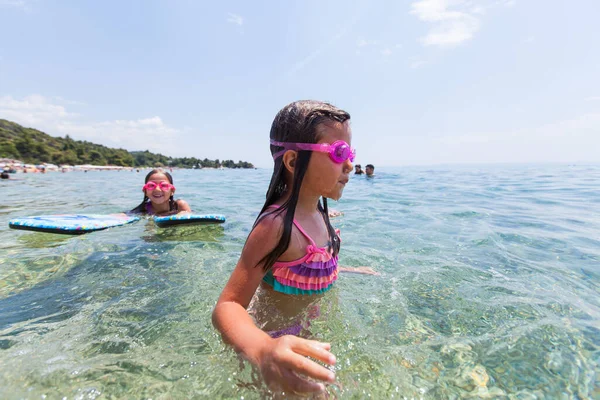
(348,165)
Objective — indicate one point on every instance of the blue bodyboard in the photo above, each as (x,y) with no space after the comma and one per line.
(70,224)
(187,219)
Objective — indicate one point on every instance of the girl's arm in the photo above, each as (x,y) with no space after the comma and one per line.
(281,361)
(359,270)
(183,206)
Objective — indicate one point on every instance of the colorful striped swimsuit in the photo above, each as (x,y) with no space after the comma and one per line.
(312,274)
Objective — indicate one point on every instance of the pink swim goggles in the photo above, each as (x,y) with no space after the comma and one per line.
(339,151)
(164,186)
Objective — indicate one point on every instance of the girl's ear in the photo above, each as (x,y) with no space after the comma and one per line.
(289,160)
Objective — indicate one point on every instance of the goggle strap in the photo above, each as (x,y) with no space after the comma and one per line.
(279,154)
(314,147)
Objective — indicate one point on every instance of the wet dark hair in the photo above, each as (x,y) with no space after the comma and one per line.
(297,122)
(370,166)
(141,208)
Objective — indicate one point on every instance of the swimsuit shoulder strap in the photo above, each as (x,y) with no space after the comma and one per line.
(302,231)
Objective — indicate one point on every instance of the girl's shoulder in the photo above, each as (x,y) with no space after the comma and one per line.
(182,205)
(263,237)
(267,229)
(269,220)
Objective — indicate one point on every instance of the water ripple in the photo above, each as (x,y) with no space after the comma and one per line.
(490,287)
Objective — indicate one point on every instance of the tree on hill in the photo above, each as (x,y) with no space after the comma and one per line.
(34,147)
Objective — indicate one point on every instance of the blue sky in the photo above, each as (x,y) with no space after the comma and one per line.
(426,81)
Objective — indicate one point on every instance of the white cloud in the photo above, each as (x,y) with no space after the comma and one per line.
(39,112)
(32,111)
(506,3)
(23,5)
(140,134)
(529,40)
(325,45)
(478,10)
(69,102)
(373,46)
(235,19)
(363,42)
(416,62)
(15,3)
(453,22)
(593,98)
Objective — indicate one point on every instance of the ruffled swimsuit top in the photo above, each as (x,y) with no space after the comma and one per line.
(172,207)
(312,274)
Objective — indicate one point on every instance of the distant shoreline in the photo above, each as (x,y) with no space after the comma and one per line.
(37,148)
(96,168)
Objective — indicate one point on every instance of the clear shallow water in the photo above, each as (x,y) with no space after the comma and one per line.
(490,287)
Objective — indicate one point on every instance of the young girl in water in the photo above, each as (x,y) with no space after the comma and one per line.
(158,196)
(291,254)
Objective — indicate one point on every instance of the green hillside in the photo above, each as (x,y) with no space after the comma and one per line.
(34,147)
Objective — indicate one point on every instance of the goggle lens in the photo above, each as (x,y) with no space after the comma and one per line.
(164,186)
(341,152)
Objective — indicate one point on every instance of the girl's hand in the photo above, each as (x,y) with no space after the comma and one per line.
(285,367)
(335,213)
(359,270)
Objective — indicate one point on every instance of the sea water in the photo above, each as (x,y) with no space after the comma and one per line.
(489,287)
